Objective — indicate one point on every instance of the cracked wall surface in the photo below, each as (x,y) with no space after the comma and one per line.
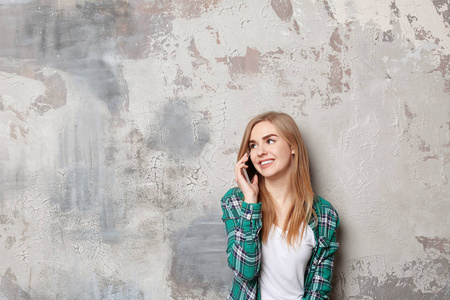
(120,123)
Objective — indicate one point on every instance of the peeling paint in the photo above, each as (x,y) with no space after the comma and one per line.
(296,27)
(336,74)
(394,9)
(444,65)
(249,64)
(199,60)
(335,41)
(444,68)
(420,32)
(283,9)
(424,147)
(409,114)
(328,9)
(443,7)
(388,36)
(440,244)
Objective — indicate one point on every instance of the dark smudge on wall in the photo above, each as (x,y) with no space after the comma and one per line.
(195,270)
(426,277)
(86,41)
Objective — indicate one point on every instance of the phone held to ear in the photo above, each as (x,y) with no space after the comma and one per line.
(250,172)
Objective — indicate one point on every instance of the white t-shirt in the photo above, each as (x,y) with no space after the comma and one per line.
(283,267)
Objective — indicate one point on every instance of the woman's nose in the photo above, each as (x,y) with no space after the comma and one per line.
(261,150)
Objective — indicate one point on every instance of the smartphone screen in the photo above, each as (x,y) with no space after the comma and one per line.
(250,171)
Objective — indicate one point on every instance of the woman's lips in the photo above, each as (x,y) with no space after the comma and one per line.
(265,163)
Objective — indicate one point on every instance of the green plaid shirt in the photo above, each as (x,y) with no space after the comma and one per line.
(243,224)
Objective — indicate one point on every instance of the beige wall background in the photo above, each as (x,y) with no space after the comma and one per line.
(121,121)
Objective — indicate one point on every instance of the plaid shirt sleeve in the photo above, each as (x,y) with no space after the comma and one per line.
(318,277)
(242,224)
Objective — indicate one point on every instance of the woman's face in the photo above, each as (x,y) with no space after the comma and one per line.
(271,154)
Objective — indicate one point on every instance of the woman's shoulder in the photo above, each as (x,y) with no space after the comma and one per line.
(327,218)
(323,207)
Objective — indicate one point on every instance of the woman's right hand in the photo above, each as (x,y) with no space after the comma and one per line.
(250,191)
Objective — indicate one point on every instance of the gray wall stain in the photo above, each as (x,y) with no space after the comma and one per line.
(179,135)
(197,267)
(85,42)
(426,277)
(11,289)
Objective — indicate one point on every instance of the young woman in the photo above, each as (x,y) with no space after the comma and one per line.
(281,236)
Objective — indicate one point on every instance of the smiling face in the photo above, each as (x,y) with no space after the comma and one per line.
(269,152)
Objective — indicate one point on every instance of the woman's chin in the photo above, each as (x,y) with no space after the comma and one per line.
(275,176)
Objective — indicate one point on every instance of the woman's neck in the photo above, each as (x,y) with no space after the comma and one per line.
(280,192)
(281,195)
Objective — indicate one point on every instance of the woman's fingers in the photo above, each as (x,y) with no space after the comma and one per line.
(240,179)
(255,181)
(250,190)
(239,166)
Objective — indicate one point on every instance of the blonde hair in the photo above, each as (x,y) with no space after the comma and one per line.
(300,180)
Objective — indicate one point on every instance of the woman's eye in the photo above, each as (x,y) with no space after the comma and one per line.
(252,146)
(269,141)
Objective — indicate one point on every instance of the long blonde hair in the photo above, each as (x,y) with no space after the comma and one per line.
(300,180)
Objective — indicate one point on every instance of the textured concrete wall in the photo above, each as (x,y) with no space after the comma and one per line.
(120,123)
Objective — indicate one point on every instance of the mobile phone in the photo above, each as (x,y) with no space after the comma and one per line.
(250,172)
